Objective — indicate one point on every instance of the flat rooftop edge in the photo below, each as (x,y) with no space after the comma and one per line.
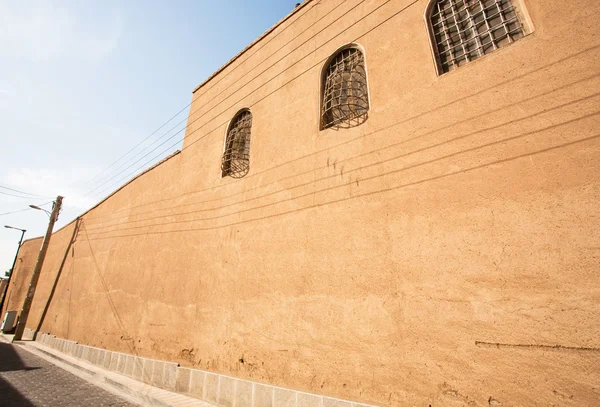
(253,43)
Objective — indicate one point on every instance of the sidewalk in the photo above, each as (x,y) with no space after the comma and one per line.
(110,384)
(27,380)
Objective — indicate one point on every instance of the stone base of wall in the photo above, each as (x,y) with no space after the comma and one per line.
(214,388)
(28,334)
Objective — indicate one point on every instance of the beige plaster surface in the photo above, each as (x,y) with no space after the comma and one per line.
(3,285)
(443,253)
(19,283)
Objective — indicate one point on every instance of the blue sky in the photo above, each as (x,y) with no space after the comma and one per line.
(82,82)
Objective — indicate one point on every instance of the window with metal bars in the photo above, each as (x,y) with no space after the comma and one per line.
(464,30)
(345,94)
(236,158)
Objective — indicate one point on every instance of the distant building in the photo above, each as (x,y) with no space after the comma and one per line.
(3,285)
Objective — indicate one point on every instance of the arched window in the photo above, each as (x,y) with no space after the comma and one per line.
(236,158)
(464,30)
(345,95)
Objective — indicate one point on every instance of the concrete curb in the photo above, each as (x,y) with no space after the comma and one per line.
(6,338)
(122,386)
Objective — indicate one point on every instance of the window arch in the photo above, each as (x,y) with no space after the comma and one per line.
(464,30)
(236,157)
(345,93)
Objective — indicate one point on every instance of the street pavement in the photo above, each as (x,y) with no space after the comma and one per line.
(29,381)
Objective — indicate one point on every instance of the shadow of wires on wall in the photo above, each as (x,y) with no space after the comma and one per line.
(11,365)
(58,274)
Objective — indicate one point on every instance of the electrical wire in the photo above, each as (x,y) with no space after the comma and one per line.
(254,90)
(10,213)
(16,196)
(215,81)
(506,82)
(23,193)
(212,86)
(288,189)
(346,198)
(26,209)
(196,119)
(141,142)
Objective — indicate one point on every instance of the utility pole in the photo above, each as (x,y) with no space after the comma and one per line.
(12,269)
(36,271)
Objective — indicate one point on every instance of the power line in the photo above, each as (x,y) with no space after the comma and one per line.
(140,143)
(311,193)
(212,86)
(508,81)
(138,160)
(347,198)
(373,151)
(222,77)
(260,86)
(23,210)
(286,55)
(16,196)
(312,181)
(24,193)
(241,87)
(10,213)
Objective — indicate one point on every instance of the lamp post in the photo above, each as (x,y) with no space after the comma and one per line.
(35,276)
(40,209)
(12,269)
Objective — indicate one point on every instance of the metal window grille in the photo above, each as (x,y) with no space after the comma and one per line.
(345,91)
(236,158)
(465,30)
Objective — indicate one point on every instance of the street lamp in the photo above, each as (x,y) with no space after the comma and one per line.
(12,227)
(39,209)
(13,265)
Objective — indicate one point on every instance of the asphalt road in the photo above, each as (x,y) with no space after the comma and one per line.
(29,381)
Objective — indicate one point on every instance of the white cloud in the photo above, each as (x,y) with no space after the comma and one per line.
(99,45)
(16,90)
(41,30)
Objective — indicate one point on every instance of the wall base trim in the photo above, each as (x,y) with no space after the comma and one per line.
(214,388)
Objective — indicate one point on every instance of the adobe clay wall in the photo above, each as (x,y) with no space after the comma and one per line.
(3,285)
(443,253)
(19,282)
